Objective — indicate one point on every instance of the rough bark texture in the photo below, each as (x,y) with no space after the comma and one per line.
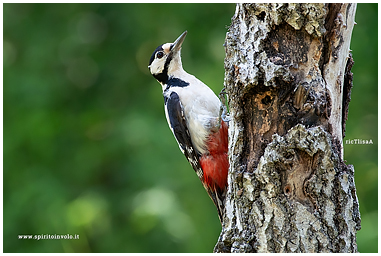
(288,79)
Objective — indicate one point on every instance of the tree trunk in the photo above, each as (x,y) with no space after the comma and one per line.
(288,81)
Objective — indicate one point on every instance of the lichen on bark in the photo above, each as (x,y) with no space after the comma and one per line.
(287,213)
(289,189)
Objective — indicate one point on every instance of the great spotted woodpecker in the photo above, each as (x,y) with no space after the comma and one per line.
(193,113)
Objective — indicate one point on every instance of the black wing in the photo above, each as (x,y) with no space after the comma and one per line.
(180,130)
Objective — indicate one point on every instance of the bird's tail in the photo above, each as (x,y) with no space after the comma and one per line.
(215,166)
(218,198)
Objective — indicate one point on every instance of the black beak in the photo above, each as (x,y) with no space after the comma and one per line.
(176,46)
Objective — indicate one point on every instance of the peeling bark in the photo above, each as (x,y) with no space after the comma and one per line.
(288,79)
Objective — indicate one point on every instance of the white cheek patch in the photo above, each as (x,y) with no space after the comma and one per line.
(157,66)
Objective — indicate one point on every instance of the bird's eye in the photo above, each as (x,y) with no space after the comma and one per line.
(159,55)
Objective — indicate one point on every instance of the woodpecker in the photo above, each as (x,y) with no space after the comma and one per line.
(193,114)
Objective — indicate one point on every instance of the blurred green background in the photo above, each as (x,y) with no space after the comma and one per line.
(87,149)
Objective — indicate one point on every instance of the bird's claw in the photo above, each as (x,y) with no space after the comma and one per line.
(224,115)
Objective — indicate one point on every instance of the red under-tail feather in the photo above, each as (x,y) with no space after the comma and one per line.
(215,166)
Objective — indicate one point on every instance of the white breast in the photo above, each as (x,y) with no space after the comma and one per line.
(201,109)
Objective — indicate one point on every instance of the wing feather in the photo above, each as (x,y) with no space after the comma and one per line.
(177,123)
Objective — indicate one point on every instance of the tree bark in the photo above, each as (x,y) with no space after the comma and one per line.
(288,80)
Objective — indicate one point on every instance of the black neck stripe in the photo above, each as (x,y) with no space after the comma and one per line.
(173,82)
(163,76)
(177,82)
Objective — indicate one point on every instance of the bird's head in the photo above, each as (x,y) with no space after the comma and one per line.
(166,59)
